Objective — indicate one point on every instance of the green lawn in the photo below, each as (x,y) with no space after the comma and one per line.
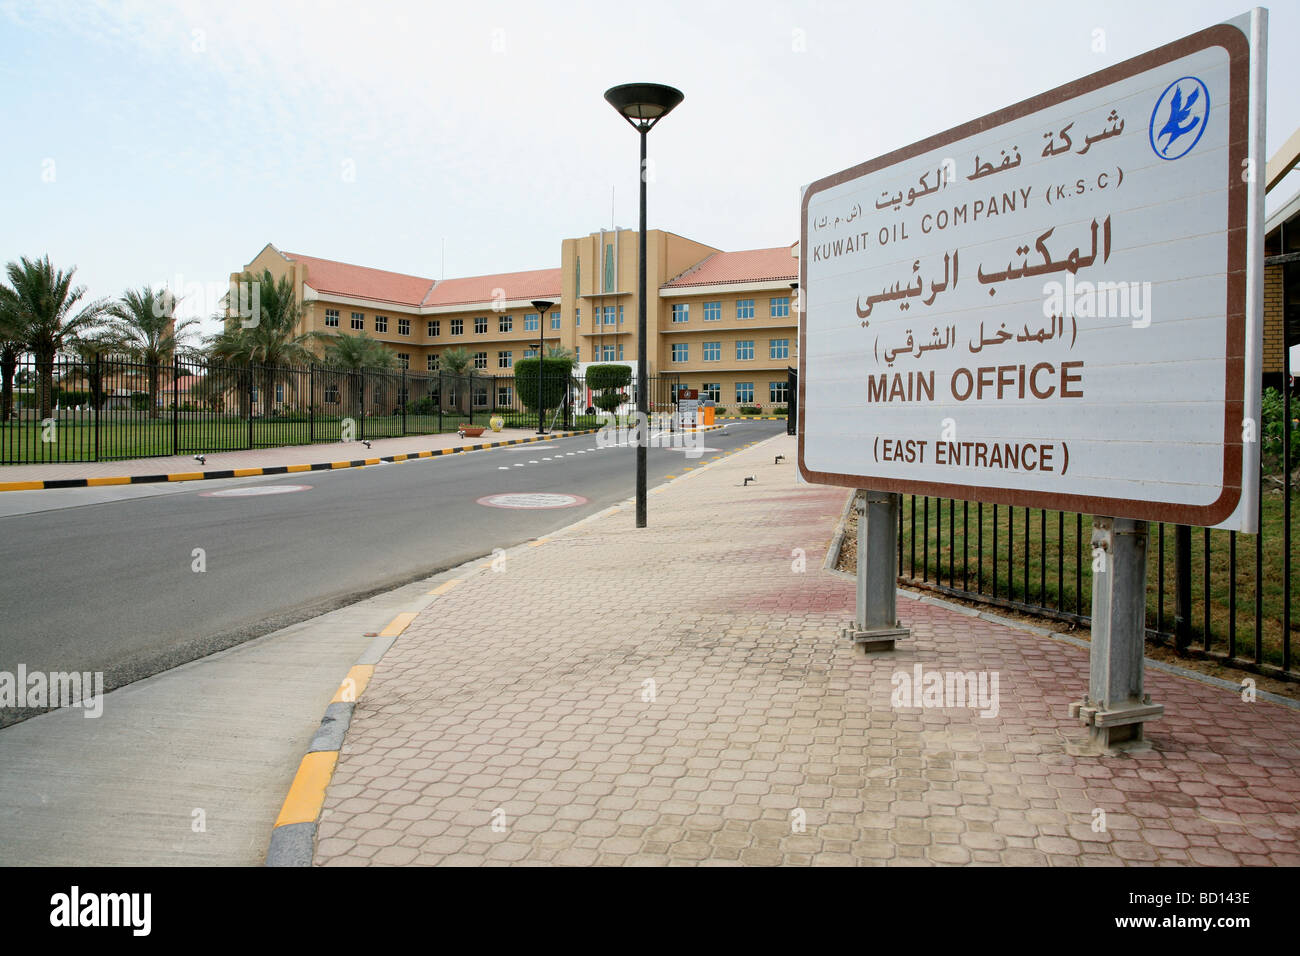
(1043,573)
(117,438)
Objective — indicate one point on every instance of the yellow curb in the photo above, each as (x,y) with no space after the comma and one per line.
(246,472)
(340,464)
(97,482)
(670,476)
(398,624)
(538,543)
(296,468)
(354,684)
(307,794)
(446,586)
(22,485)
(372,461)
(186,476)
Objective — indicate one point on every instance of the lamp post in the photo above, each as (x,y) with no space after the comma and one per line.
(643,105)
(542,306)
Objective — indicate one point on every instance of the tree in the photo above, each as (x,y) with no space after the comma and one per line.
(89,351)
(46,312)
(608,380)
(457,361)
(11,347)
(554,385)
(268,343)
(354,354)
(143,325)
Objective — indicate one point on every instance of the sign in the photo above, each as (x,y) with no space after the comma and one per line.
(687,405)
(1056,305)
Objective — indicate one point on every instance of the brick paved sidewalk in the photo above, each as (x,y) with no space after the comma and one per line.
(256,457)
(680,695)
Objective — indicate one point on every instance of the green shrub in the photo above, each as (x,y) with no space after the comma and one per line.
(602,377)
(781,411)
(555,383)
(750,410)
(71,397)
(608,401)
(719,410)
(139,401)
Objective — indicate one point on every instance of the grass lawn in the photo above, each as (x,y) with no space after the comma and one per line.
(119,438)
(1053,569)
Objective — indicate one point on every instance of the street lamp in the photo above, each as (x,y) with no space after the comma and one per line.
(643,105)
(542,306)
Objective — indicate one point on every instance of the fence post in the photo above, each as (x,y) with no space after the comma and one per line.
(875,625)
(1182,587)
(252,377)
(311,403)
(176,406)
(403,396)
(97,398)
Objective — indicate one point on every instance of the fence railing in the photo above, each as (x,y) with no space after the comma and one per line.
(113,409)
(1218,594)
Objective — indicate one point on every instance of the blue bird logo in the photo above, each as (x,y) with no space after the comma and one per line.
(1181,117)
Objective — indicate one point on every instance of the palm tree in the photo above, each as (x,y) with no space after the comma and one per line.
(268,344)
(89,350)
(353,354)
(457,361)
(145,328)
(42,307)
(11,347)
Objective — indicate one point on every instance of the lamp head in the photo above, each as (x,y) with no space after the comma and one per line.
(643,104)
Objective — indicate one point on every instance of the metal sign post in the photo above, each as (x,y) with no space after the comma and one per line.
(1117,706)
(876,627)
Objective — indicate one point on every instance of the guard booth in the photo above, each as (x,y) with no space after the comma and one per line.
(792,405)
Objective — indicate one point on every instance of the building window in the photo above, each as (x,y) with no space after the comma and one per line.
(530,353)
(555,321)
(713,351)
(609,315)
(506,323)
(711,390)
(480,325)
(577,317)
(744,349)
(435,327)
(681,352)
(403,326)
(381,323)
(745,392)
(778,348)
(505,360)
(331,318)
(532,322)
(712,311)
(431,361)
(681,312)
(279,393)
(505,396)
(744,308)
(457,326)
(620,351)
(480,360)
(577,353)
(779,307)
(404,359)
(778,392)
(607,353)
(359,321)
(331,394)
(480,396)
(620,315)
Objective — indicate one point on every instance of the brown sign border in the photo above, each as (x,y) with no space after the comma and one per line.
(1237,46)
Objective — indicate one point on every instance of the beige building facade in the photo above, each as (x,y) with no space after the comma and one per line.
(721,322)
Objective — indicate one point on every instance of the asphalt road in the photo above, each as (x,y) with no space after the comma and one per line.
(109,583)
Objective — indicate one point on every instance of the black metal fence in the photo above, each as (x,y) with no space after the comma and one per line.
(1216,594)
(111,409)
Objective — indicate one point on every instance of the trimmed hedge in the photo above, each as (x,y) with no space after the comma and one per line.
(601,377)
(555,383)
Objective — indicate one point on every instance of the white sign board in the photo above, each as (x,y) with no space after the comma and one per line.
(1056,305)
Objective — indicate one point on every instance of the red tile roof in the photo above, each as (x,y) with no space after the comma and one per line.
(537,284)
(341,278)
(751,265)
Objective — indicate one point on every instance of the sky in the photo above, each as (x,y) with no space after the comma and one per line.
(166,142)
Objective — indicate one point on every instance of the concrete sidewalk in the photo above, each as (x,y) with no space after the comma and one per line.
(681,695)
